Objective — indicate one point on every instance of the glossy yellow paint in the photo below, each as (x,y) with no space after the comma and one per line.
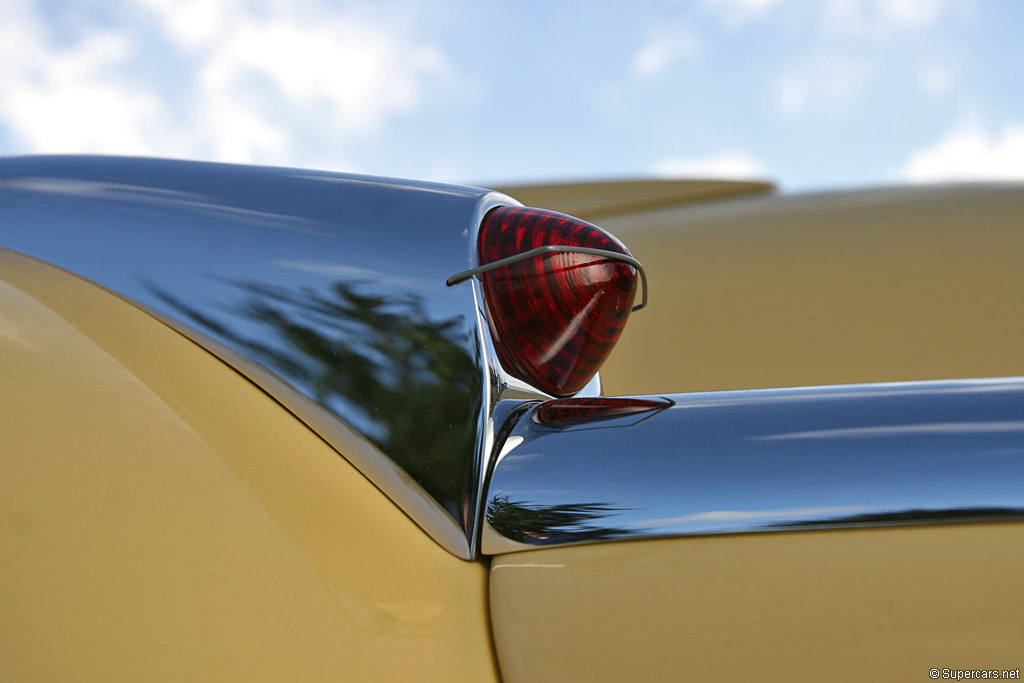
(884,285)
(161,518)
(852,605)
(872,286)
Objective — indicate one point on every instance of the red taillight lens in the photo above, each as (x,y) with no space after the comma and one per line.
(554,317)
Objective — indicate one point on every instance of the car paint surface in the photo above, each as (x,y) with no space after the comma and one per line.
(852,605)
(872,286)
(888,285)
(164,519)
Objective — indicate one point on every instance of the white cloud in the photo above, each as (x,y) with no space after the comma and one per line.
(881,18)
(270,70)
(360,71)
(662,49)
(259,75)
(738,12)
(193,23)
(822,82)
(730,165)
(969,152)
(71,98)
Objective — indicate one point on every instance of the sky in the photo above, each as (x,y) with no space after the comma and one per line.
(812,94)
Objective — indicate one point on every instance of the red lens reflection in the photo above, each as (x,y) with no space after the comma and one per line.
(573,412)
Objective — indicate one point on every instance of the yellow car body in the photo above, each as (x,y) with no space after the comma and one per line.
(165,518)
(765,291)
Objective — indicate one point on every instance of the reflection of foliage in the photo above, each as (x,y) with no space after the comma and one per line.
(380,363)
(913,516)
(542,524)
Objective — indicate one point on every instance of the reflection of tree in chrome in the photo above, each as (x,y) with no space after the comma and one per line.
(912,516)
(380,363)
(543,524)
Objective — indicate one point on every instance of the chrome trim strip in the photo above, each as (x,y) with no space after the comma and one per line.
(560,248)
(502,394)
(764,460)
(327,290)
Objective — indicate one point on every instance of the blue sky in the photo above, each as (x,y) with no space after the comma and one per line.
(812,94)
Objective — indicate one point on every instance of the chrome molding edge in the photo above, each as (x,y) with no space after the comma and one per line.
(502,395)
(755,461)
(565,249)
(326,290)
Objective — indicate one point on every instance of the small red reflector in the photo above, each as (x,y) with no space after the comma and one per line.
(553,317)
(576,412)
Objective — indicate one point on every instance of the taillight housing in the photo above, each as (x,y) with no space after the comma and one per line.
(555,315)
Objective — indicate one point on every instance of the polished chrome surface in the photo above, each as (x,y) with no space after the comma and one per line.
(327,290)
(761,460)
(553,248)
